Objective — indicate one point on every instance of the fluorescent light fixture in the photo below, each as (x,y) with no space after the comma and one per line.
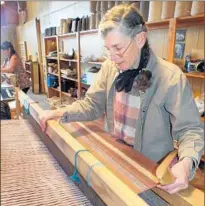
(2,2)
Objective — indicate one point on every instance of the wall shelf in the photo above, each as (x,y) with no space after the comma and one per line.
(69,78)
(190,20)
(68,95)
(52,58)
(50,37)
(99,63)
(53,74)
(195,75)
(69,60)
(55,89)
(180,22)
(67,35)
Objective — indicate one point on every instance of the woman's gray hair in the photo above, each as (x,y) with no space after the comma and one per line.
(126,18)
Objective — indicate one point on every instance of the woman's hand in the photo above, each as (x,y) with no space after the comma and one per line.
(47,115)
(181,171)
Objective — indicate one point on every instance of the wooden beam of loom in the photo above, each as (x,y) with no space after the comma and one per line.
(68,145)
(133,161)
(109,188)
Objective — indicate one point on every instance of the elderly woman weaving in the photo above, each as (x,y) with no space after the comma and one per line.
(147,100)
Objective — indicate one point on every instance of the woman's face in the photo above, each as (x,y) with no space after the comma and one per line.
(6,53)
(122,49)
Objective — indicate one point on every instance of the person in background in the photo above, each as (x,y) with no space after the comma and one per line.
(147,101)
(13,64)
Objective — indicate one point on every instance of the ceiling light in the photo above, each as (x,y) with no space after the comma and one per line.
(2,2)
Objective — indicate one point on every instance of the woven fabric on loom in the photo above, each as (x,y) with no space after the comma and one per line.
(116,156)
(29,173)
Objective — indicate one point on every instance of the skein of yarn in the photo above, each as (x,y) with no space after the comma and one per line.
(197,8)
(168,8)
(144,9)
(136,4)
(92,21)
(98,19)
(111,4)
(155,10)
(117,2)
(93,6)
(182,8)
(98,6)
(104,5)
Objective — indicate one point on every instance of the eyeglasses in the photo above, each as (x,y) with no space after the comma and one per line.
(116,51)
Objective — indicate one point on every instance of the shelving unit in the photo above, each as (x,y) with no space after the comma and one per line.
(170,24)
(181,22)
(32,68)
(59,60)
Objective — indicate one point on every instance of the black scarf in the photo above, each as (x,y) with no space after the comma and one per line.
(126,79)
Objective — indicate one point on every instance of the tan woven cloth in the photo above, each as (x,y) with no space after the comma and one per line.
(29,173)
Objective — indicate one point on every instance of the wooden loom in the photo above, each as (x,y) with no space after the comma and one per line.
(124,173)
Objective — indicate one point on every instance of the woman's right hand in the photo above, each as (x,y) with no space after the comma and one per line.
(45,116)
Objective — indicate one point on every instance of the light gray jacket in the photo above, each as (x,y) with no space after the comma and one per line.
(168,110)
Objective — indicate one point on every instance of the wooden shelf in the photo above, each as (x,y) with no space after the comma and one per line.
(162,24)
(67,35)
(53,58)
(69,78)
(50,37)
(98,63)
(190,20)
(53,74)
(92,31)
(195,75)
(181,22)
(69,95)
(69,60)
(85,85)
(54,89)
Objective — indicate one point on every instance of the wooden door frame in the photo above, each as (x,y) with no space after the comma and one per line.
(40,55)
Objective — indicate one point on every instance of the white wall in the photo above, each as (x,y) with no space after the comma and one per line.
(50,13)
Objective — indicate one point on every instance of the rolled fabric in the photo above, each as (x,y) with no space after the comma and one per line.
(65,27)
(182,8)
(93,6)
(144,9)
(98,19)
(79,25)
(87,23)
(168,8)
(58,30)
(62,22)
(69,22)
(136,4)
(155,10)
(197,8)
(104,6)
(117,2)
(98,6)
(111,4)
(83,26)
(93,21)
(102,14)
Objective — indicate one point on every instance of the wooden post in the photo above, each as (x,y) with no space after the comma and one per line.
(18,105)
(171,40)
(79,66)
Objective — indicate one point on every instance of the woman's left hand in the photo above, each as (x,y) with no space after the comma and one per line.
(181,171)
